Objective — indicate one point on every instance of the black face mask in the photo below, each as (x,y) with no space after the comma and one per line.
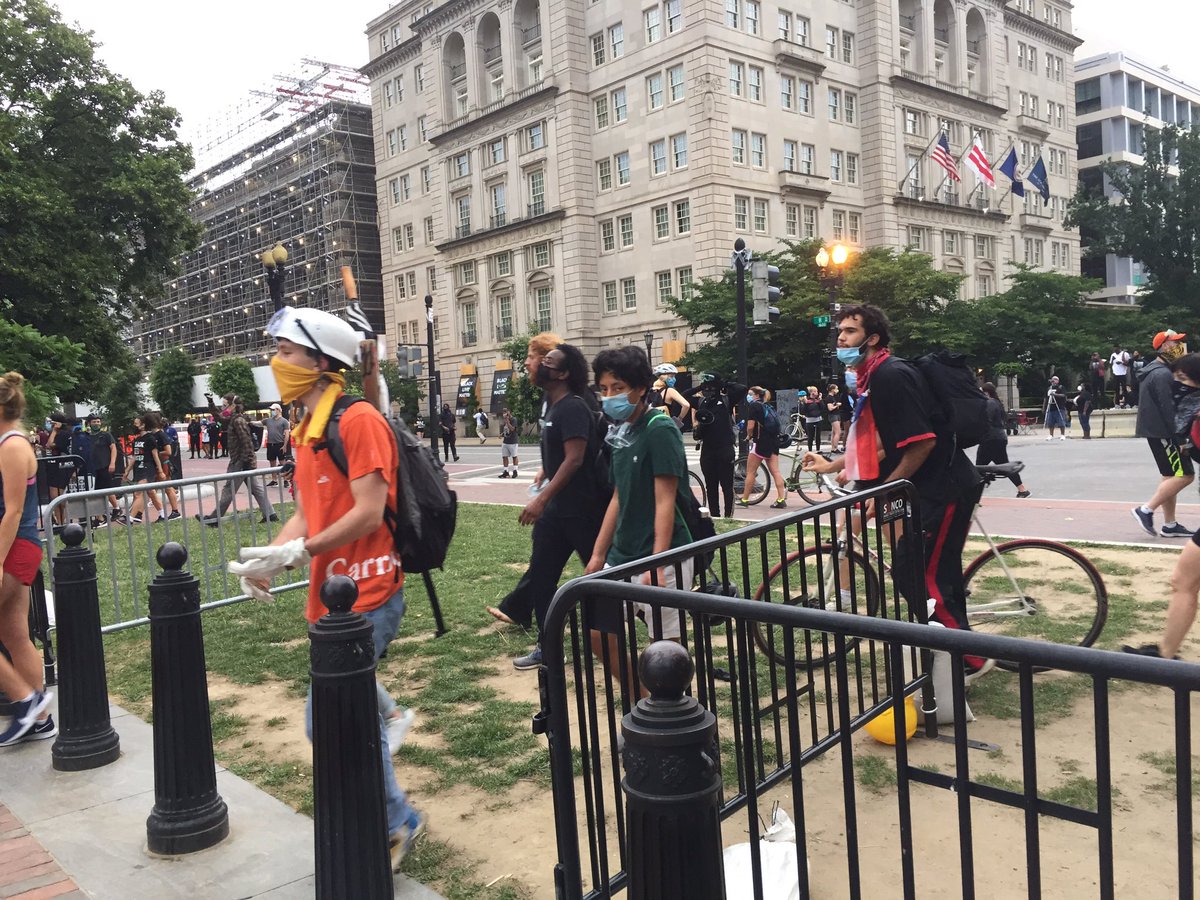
(544,375)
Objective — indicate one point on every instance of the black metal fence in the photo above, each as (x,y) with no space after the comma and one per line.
(775,718)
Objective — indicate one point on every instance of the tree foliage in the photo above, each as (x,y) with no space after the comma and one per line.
(405,392)
(523,397)
(119,393)
(50,365)
(93,206)
(1157,221)
(171,380)
(233,375)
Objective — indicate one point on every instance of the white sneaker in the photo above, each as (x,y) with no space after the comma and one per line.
(1050,438)
(398,728)
(1062,437)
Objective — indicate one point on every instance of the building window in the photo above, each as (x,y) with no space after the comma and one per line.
(741,213)
(394,186)
(629,292)
(622,160)
(756,84)
(831,42)
(787,92)
(1033,251)
(536,182)
(835,104)
(499,196)
(803,31)
(683,216)
(737,77)
(752,11)
(808,159)
(679,149)
(535,136)
(983,285)
(616,40)
(619,105)
(758,151)
(916,238)
(401,288)
(790,151)
(625,225)
(855,229)
(462,165)
(913,122)
(850,108)
(839,225)
(542,303)
(785,26)
(739,147)
(983,246)
(658,157)
(429,236)
(733,13)
(674,9)
(496,151)
(405,187)
(851,168)
(388,95)
(399,88)
(409,237)
(654,90)
(653,22)
(598,51)
(541,255)
(791,220)
(608,239)
(810,221)
(601,104)
(610,296)
(675,79)
(463,205)
(683,277)
(847,47)
(418,78)
(466,273)
(760,216)
(804,92)
(835,165)
(951,243)
(391,142)
(397,240)
(470,333)
(662,223)
(426,181)
(604,174)
(664,282)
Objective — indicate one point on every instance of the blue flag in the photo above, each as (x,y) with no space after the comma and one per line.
(1037,177)
(1009,168)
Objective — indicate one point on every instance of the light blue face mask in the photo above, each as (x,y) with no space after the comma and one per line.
(849,356)
(618,408)
(851,380)
(750,398)
(670,382)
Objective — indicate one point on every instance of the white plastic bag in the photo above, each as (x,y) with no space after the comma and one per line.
(777,855)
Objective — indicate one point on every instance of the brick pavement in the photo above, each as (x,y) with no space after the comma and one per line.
(27,871)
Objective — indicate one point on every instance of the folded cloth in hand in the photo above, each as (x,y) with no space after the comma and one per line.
(267,562)
(251,587)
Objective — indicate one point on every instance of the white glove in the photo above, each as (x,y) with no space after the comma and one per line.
(267,562)
(252,588)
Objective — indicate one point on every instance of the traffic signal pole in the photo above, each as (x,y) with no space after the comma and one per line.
(433,425)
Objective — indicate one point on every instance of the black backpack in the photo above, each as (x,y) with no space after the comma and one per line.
(422,525)
(483,419)
(959,403)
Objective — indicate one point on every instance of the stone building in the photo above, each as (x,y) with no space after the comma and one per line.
(567,165)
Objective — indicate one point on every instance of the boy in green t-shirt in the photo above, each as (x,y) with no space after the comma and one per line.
(648,468)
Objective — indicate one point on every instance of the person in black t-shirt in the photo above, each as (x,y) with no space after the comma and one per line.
(146,466)
(449,431)
(712,424)
(893,436)
(570,499)
(102,466)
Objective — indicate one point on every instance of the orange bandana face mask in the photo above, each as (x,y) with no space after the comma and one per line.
(295,381)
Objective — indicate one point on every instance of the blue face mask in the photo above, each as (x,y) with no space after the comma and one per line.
(670,382)
(851,380)
(618,407)
(750,398)
(849,356)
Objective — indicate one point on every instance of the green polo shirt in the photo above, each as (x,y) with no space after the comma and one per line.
(657,449)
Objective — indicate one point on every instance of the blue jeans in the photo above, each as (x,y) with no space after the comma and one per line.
(385,622)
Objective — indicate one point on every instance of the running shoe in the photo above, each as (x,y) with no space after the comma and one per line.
(743,503)
(1175,530)
(531,660)
(402,842)
(42,731)
(24,717)
(398,728)
(1145,650)
(1145,519)
(779,504)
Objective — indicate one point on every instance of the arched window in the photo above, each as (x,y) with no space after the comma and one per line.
(978,54)
(945,43)
(454,64)
(527,36)
(490,60)
(912,36)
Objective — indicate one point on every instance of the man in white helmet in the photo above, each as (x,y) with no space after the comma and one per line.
(338,521)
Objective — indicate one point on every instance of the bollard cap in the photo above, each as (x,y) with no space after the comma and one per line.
(172,556)
(666,670)
(73,535)
(339,593)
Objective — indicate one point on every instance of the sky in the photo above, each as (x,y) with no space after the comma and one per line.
(207,56)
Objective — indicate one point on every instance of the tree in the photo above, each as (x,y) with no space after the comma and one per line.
(171,380)
(790,351)
(1157,221)
(406,392)
(93,205)
(50,365)
(523,397)
(119,394)
(233,375)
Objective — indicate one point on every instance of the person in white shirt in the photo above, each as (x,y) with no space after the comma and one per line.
(1118,364)
(481,424)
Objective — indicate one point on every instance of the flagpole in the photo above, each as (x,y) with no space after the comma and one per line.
(913,167)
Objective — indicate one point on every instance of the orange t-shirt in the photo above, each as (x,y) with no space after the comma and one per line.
(371,561)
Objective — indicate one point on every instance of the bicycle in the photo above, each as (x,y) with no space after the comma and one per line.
(811,487)
(1059,596)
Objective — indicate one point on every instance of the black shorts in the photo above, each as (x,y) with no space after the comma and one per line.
(1171,460)
(274,453)
(103,480)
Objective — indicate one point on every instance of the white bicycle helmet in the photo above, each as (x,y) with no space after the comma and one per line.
(318,330)
(665,369)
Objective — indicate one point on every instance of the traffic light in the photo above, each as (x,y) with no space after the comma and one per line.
(408,358)
(766,292)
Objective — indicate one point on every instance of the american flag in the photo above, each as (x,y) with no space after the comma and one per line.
(941,156)
(979,162)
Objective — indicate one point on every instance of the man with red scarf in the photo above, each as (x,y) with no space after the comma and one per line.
(895,433)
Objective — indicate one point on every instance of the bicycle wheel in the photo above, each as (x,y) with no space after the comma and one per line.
(810,583)
(1035,589)
(811,487)
(761,486)
(696,483)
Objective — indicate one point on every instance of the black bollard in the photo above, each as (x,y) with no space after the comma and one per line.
(86,739)
(349,810)
(671,786)
(188,814)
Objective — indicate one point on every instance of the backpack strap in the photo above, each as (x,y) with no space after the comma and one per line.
(331,443)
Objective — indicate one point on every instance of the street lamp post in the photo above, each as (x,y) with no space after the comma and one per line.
(648,337)
(832,266)
(432,425)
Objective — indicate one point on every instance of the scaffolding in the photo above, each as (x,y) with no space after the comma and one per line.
(309,185)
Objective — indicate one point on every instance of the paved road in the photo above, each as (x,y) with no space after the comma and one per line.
(1082,490)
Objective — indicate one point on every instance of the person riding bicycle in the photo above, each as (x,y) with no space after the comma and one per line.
(664,397)
(894,436)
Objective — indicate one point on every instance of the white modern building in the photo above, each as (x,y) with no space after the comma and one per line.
(1116,99)
(567,165)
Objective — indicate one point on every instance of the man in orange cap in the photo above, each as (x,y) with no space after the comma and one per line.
(1156,423)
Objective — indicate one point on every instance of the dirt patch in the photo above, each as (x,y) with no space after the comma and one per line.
(271,701)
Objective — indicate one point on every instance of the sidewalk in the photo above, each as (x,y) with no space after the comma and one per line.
(83,834)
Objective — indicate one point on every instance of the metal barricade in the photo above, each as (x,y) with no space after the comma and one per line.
(67,474)
(126,552)
(774,719)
